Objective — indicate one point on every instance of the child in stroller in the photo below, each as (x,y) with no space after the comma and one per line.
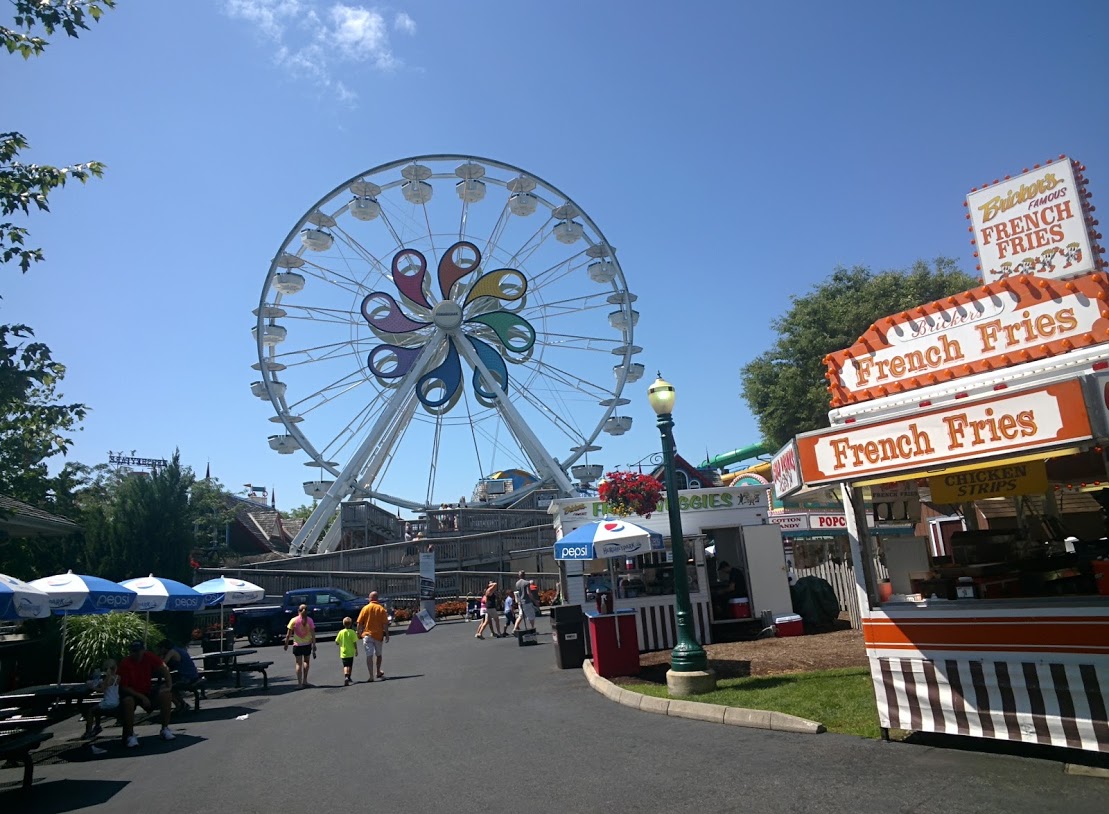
(473,609)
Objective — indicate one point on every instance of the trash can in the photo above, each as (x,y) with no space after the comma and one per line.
(568,634)
(615,641)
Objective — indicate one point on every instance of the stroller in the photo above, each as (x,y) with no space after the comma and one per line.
(473,610)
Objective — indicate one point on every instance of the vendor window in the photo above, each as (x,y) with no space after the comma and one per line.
(651,575)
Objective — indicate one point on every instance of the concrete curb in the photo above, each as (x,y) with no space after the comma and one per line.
(697,711)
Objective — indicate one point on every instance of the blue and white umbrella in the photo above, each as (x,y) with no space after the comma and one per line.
(160,594)
(605,539)
(229,591)
(21,600)
(79,593)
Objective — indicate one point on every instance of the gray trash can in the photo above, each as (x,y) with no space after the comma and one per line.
(568,634)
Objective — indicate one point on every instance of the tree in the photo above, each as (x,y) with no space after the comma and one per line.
(145,525)
(34,426)
(68,15)
(785,387)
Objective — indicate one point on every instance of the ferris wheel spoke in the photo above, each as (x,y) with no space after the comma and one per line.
(324,396)
(326,274)
(317,353)
(375,263)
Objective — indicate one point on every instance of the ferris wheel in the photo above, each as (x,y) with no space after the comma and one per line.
(449,316)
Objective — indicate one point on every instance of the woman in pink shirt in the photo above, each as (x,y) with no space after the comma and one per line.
(302,632)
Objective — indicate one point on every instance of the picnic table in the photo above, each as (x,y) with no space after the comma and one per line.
(25,714)
(229,661)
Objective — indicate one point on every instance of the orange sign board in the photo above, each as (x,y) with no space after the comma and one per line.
(1015,421)
(1015,320)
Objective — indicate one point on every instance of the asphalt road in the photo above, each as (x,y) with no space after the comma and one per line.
(486,726)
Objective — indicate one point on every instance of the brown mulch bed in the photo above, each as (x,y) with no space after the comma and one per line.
(766,657)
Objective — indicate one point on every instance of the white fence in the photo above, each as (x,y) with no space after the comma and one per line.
(841,577)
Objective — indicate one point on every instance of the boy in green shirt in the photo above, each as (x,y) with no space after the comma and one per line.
(347,640)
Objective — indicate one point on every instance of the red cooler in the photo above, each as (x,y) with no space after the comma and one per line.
(789,625)
(614,655)
(740,608)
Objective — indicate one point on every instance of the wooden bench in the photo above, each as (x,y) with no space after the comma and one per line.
(252,667)
(18,747)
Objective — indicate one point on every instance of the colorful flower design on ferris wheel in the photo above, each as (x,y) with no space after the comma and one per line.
(480,312)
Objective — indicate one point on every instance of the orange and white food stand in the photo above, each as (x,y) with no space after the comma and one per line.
(1009,639)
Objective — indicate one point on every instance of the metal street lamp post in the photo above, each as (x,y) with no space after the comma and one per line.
(687,657)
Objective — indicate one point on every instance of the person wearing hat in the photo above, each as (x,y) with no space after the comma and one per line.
(136,686)
(490,619)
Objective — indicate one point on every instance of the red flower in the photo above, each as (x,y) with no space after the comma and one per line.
(626,493)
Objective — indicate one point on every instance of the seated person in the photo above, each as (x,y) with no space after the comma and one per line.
(136,682)
(105,681)
(178,660)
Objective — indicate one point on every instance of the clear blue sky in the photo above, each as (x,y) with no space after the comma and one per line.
(734,153)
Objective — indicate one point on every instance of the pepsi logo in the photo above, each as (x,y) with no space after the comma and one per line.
(613,526)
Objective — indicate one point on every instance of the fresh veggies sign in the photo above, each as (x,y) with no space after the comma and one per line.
(1036,223)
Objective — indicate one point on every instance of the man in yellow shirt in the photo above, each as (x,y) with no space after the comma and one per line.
(373,628)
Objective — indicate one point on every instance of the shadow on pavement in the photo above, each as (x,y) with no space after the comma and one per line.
(989,746)
(148,745)
(211,714)
(57,796)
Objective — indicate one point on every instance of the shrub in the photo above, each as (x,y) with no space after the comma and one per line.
(94,637)
(402,615)
(547,597)
(451,608)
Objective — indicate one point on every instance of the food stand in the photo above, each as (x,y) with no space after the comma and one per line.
(736,518)
(993,394)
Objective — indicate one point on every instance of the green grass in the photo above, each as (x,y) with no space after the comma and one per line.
(842,700)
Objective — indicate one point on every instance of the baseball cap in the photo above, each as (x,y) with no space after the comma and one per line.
(137,646)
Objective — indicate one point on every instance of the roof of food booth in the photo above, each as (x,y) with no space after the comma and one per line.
(719,507)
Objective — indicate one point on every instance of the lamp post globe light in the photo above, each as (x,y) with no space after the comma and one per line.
(688,673)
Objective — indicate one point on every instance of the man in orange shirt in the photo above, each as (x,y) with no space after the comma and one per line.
(373,628)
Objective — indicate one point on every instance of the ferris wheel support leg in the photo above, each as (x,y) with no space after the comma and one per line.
(539,456)
(348,480)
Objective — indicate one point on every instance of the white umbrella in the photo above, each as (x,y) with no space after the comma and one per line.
(21,600)
(223,590)
(79,593)
(160,594)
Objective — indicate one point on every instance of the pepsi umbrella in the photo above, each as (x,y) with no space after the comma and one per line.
(160,594)
(228,591)
(79,593)
(605,539)
(21,600)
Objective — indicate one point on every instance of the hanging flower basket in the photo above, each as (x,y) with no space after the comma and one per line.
(626,493)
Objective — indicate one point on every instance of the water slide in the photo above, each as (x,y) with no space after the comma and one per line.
(760,470)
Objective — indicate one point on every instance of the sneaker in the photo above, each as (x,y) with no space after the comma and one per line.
(96,750)
(167,734)
(131,742)
(96,730)
(87,736)
(346,683)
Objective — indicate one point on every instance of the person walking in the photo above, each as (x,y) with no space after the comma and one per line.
(509,610)
(302,631)
(524,603)
(373,628)
(490,619)
(347,640)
